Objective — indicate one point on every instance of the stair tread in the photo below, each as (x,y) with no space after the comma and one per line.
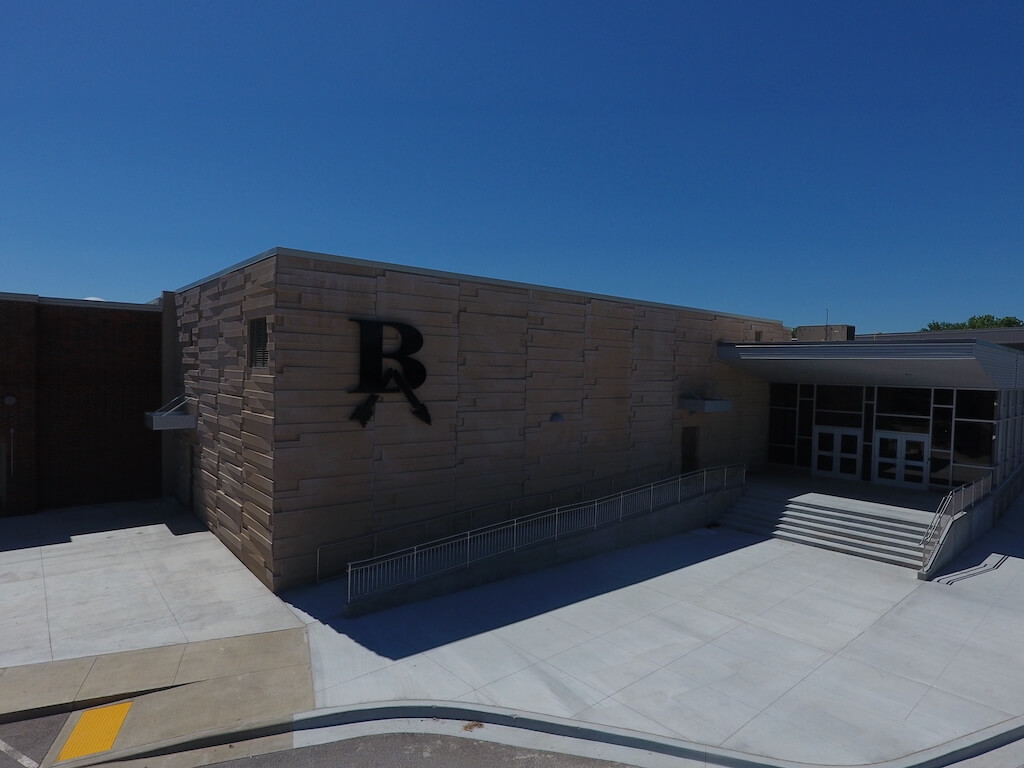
(874,531)
(881,544)
(911,559)
(866,543)
(919,521)
(894,558)
(854,523)
(848,524)
(921,525)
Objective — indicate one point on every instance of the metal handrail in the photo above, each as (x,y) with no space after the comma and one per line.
(953,506)
(385,572)
(454,520)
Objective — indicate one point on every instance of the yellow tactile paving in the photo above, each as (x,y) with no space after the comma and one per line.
(95,731)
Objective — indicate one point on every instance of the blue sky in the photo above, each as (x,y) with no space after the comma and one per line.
(767,158)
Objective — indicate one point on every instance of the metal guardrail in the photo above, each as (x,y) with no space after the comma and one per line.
(954,505)
(385,572)
(387,540)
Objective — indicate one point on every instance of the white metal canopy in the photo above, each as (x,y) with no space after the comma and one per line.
(963,364)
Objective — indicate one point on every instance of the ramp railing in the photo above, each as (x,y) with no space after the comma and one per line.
(954,505)
(385,572)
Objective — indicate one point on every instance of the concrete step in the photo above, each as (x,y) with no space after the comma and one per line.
(845,529)
(868,509)
(874,531)
(846,548)
(838,519)
(867,542)
(894,528)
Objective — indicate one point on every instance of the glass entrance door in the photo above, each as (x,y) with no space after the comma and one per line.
(902,458)
(837,452)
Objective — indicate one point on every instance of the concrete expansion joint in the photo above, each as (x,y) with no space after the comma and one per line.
(939,756)
(80,704)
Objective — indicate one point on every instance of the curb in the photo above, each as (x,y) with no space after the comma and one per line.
(77,705)
(939,756)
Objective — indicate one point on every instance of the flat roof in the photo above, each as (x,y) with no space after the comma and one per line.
(279,251)
(1010,337)
(962,364)
(153,306)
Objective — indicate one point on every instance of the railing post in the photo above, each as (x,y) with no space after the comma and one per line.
(390,570)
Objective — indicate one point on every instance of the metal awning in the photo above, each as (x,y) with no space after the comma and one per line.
(173,415)
(966,364)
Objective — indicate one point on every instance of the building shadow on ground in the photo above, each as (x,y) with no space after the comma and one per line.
(991,550)
(416,627)
(59,526)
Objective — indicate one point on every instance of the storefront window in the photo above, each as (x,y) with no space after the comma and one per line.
(975,404)
(902,424)
(834,419)
(904,401)
(972,443)
(832,398)
(782,426)
(942,428)
(805,424)
(940,469)
(783,396)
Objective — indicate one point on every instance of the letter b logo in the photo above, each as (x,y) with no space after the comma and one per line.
(372,354)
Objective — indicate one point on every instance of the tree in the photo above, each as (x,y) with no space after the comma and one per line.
(975,322)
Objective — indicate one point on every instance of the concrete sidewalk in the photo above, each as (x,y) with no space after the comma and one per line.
(714,637)
(138,601)
(94,580)
(715,640)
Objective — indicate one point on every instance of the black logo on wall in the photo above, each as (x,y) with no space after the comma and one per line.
(376,380)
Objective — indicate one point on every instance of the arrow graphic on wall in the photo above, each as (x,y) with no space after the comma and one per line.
(364,411)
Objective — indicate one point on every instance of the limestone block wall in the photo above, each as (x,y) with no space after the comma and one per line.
(532,393)
(226,466)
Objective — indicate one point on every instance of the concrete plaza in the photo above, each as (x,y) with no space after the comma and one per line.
(714,639)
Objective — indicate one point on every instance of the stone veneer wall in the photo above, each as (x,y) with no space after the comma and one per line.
(283,469)
(226,467)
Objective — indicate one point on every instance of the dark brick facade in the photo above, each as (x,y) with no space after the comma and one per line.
(17,406)
(82,375)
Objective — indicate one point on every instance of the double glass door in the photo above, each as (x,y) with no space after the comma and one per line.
(901,458)
(837,452)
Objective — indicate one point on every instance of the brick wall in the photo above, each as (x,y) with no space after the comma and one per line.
(98,373)
(83,375)
(18,381)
